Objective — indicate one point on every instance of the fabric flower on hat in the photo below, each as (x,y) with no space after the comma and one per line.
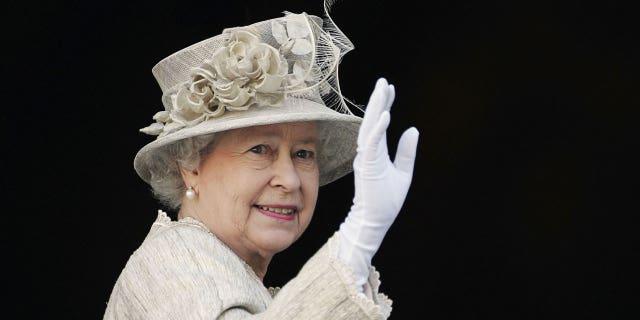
(292,33)
(294,36)
(243,73)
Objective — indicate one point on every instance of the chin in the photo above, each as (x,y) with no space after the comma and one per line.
(277,241)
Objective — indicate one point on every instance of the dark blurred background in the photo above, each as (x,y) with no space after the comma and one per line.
(524,198)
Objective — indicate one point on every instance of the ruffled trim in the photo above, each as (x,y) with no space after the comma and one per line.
(372,288)
(372,301)
(163,217)
(273,291)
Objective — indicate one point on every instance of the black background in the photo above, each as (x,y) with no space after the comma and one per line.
(524,196)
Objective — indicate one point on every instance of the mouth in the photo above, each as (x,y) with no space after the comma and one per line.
(281,210)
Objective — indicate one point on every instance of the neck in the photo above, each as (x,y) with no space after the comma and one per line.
(259,267)
(258,262)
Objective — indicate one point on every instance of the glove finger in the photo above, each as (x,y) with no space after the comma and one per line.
(375,106)
(374,147)
(406,152)
(391,96)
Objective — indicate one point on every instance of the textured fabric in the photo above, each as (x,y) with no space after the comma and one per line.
(182,271)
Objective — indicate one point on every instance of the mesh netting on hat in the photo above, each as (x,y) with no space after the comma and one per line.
(263,64)
(274,71)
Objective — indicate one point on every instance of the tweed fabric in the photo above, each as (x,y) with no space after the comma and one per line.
(182,271)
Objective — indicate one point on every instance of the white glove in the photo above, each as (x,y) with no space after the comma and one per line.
(380,185)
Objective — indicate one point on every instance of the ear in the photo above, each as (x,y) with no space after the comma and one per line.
(189,177)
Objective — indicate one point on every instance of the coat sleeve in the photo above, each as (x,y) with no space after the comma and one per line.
(325,289)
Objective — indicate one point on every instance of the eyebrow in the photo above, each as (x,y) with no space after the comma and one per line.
(304,140)
(276,134)
(309,139)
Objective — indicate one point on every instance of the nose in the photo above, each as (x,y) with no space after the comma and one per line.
(285,174)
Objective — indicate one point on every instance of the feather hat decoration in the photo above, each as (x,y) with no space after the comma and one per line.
(274,71)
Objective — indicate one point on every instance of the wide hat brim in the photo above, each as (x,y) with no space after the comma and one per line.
(337,135)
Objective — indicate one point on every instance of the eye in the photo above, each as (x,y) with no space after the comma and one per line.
(259,149)
(305,154)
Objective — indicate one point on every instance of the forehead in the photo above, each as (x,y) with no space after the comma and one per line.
(297,131)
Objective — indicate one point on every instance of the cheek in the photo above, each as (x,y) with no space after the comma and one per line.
(246,185)
(310,186)
(235,197)
(229,188)
(311,193)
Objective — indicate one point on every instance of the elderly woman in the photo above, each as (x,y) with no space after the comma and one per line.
(254,123)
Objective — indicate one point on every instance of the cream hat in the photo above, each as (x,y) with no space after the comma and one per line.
(274,71)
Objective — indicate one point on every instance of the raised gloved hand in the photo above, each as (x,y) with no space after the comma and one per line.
(380,185)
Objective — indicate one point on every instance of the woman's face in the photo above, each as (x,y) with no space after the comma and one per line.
(257,189)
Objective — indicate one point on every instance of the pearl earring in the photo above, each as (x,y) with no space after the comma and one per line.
(190,193)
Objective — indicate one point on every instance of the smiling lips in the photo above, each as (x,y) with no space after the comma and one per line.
(279,212)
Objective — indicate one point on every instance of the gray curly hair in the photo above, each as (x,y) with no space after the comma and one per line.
(166,180)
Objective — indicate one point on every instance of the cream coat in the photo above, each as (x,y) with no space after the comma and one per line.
(182,271)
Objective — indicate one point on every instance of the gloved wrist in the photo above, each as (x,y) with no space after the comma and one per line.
(354,253)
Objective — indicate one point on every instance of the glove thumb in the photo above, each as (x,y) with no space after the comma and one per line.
(406,152)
